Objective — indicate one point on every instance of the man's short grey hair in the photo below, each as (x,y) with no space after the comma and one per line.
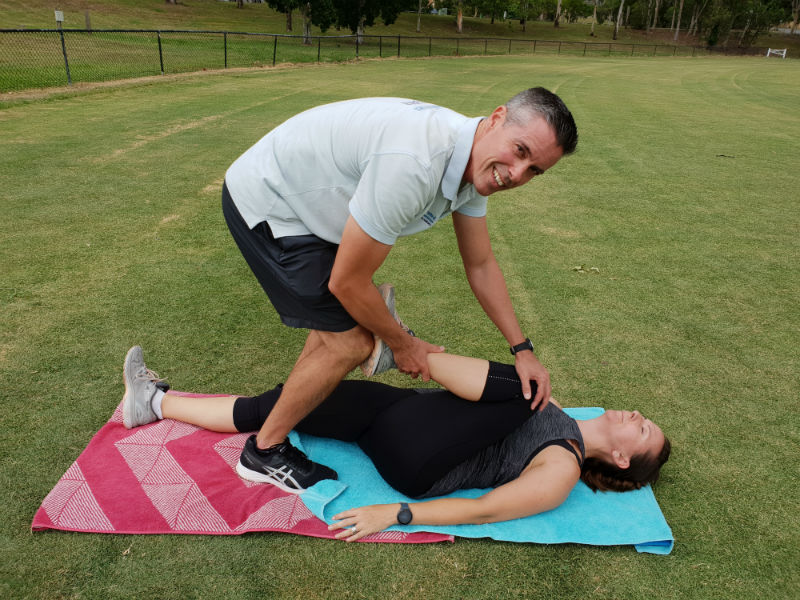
(540,102)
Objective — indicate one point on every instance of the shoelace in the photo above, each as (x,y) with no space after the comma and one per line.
(296,459)
(150,376)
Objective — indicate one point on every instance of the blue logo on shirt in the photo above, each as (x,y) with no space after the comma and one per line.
(428,218)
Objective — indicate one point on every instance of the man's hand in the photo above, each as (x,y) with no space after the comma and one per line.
(530,369)
(412,357)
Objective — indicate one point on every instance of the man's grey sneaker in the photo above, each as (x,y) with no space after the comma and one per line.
(382,358)
(140,387)
(282,465)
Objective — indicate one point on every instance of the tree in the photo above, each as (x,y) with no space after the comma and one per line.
(286,7)
(678,28)
(749,18)
(357,14)
(795,9)
(619,18)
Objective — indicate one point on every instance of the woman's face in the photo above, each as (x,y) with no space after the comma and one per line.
(632,434)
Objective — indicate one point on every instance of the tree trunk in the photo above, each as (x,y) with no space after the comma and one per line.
(289,20)
(419,15)
(672,25)
(239,3)
(678,26)
(306,12)
(459,18)
(619,18)
(655,14)
(558,14)
(647,17)
(796,12)
(594,17)
(744,32)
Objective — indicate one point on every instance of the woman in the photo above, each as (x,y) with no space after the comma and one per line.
(478,433)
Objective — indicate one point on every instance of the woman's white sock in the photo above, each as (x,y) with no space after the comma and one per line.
(155,403)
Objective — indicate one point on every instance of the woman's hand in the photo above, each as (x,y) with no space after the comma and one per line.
(360,522)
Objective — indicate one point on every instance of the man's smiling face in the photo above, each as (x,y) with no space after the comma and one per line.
(506,155)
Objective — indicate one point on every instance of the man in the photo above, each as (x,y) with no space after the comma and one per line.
(316,205)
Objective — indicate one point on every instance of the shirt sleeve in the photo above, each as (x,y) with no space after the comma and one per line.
(393,191)
(476,207)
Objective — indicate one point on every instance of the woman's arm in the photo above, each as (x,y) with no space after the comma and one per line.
(542,486)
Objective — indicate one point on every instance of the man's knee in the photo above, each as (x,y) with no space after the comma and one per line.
(353,345)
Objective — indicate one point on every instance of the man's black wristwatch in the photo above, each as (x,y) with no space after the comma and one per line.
(526,345)
(404,516)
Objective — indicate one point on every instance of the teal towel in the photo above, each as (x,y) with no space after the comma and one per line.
(602,518)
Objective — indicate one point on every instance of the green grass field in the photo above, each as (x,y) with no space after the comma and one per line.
(683,194)
(34,59)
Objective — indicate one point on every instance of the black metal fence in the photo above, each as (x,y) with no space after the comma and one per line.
(35,58)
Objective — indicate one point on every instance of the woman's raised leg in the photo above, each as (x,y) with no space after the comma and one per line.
(213,413)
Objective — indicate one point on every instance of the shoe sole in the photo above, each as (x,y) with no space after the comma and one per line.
(257,477)
(127,403)
(370,366)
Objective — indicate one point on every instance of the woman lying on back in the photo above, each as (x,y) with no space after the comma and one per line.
(477,433)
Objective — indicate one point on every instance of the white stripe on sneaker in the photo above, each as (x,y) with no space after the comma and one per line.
(273,476)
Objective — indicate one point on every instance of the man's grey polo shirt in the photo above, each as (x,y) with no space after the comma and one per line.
(394,164)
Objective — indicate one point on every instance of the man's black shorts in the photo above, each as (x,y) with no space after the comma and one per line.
(293,270)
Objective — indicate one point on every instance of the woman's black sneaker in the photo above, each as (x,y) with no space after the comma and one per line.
(282,465)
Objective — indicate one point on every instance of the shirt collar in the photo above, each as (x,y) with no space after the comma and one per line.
(458,161)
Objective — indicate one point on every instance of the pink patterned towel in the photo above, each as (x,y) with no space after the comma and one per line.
(170,477)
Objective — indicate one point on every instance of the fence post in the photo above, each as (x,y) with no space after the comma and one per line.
(559,47)
(357,45)
(380,46)
(584,48)
(609,49)
(225,41)
(429,47)
(160,52)
(509,45)
(319,47)
(674,50)
(693,51)
(485,45)
(274,49)
(632,47)
(534,46)
(458,41)
(64,52)
(655,49)
(398,46)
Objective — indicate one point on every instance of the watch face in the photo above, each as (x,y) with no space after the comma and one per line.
(404,516)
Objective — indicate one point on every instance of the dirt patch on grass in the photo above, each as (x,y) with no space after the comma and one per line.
(82,87)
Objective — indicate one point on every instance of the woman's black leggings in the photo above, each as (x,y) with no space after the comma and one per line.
(413,438)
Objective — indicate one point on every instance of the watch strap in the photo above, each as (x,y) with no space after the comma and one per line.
(526,345)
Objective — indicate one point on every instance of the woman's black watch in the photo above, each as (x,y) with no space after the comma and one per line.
(526,345)
(404,515)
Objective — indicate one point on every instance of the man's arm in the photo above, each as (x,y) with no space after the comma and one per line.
(489,286)
(357,259)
